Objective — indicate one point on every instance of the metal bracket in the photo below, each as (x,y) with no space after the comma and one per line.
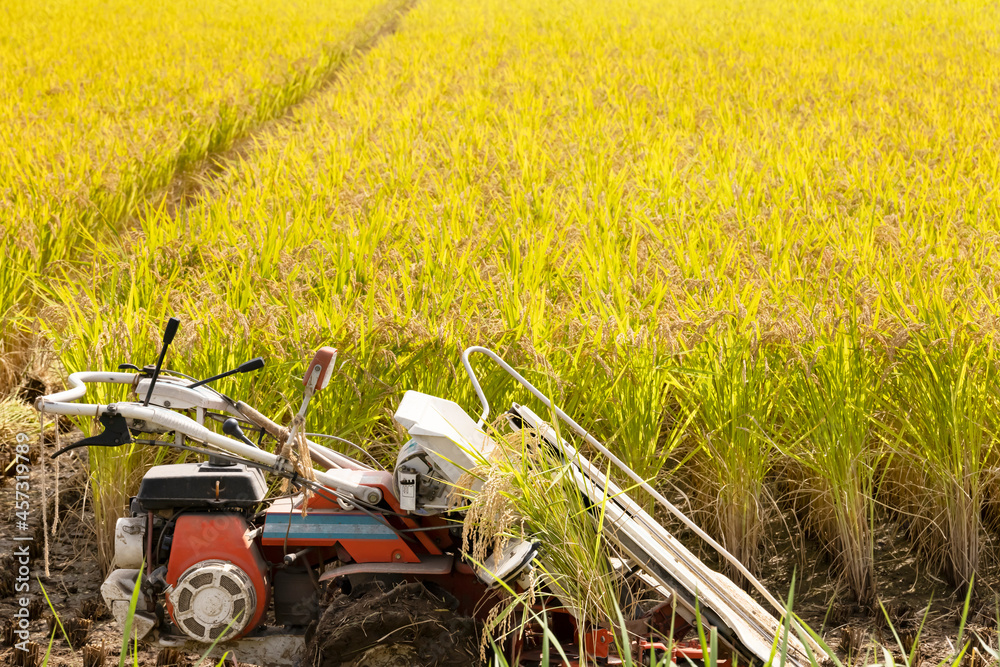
(407,490)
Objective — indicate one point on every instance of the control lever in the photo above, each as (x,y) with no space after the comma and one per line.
(317,376)
(254,364)
(231,427)
(115,433)
(168,337)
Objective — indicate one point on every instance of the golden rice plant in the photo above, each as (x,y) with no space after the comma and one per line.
(832,438)
(734,398)
(528,492)
(110,100)
(107,105)
(631,402)
(941,429)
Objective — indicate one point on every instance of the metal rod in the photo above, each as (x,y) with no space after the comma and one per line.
(168,337)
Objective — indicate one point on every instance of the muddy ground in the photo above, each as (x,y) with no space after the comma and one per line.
(74,581)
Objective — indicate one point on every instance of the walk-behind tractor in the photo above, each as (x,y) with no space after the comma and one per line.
(346,560)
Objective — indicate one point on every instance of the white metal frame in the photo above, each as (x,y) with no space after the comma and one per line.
(747,618)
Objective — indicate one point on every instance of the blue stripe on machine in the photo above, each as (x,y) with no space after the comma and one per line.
(326,526)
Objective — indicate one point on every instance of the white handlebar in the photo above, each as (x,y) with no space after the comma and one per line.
(61,404)
(78,388)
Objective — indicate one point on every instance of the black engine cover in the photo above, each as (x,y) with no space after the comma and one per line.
(201,486)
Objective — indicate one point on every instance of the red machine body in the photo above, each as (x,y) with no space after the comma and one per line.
(218,536)
(353,535)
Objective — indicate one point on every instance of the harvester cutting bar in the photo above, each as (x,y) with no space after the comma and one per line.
(741,621)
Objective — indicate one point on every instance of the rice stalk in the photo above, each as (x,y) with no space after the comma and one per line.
(733,396)
(833,398)
(528,493)
(942,405)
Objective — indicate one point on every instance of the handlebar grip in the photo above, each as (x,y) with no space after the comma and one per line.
(171,330)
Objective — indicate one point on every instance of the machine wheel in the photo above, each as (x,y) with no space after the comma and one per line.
(378,625)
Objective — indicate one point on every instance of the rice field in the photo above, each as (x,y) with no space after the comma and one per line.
(105,101)
(752,245)
(105,104)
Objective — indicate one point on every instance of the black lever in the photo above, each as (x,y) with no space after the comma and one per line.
(168,337)
(254,364)
(231,427)
(115,433)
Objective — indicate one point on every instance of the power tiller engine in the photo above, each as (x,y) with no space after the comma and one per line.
(211,556)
